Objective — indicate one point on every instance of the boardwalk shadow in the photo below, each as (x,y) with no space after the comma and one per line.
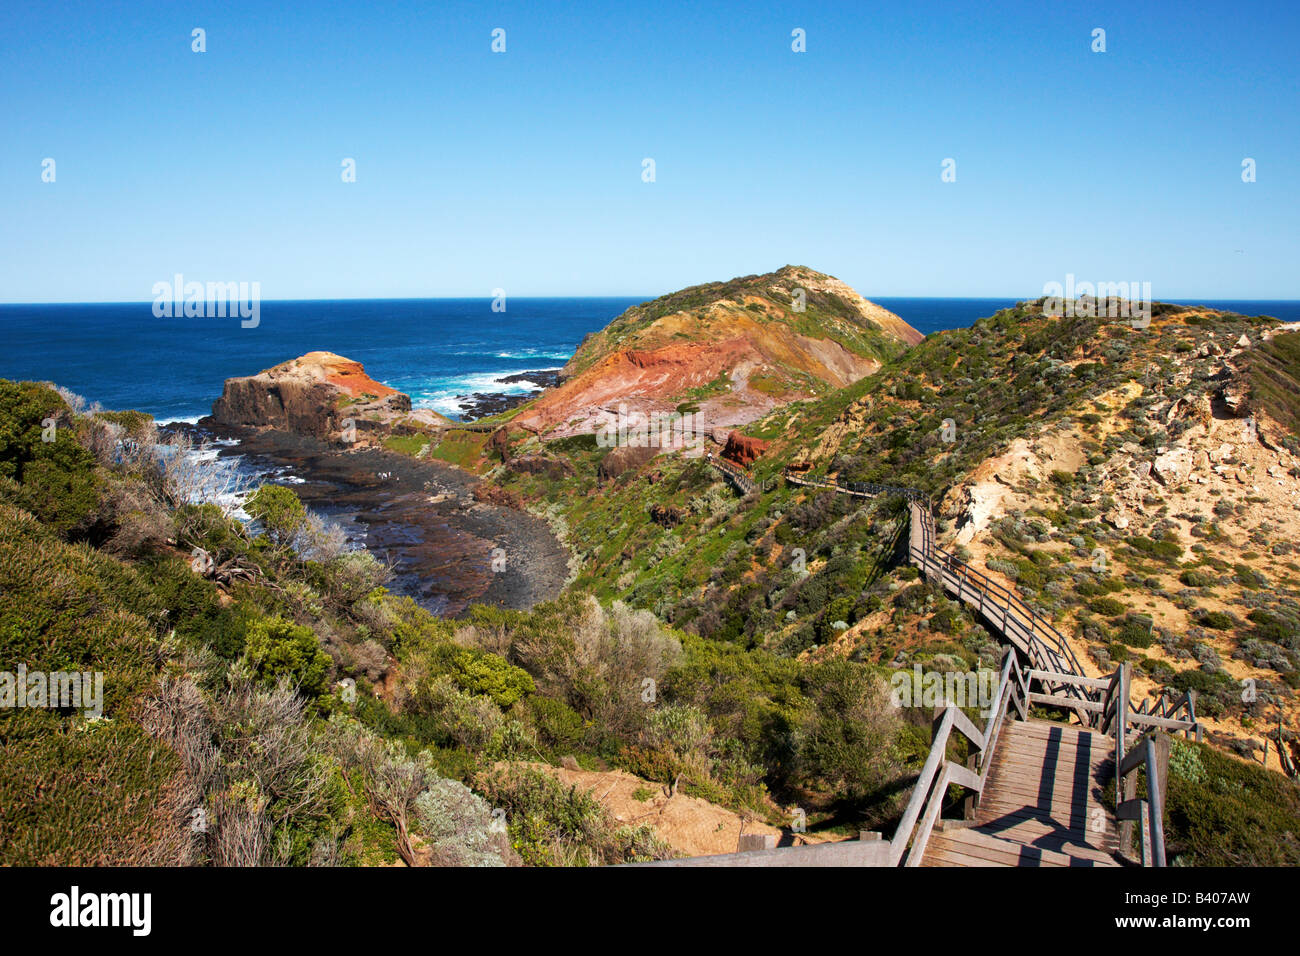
(1065,787)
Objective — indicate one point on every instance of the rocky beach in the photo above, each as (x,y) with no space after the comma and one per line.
(447,548)
(420,516)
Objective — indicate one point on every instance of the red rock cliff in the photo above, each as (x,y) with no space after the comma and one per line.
(743,451)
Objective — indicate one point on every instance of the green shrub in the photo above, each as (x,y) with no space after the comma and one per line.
(279,509)
(1216,620)
(1227,812)
(481,673)
(1107,607)
(1134,633)
(1166,550)
(558,725)
(68,607)
(276,648)
(54,474)
(850,733)
(551,824)
(104,795)
(1197,578)
(1249,578)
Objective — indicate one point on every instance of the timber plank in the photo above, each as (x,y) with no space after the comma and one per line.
(977,844)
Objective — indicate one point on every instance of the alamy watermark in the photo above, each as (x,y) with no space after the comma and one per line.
(962,689)
(1108,300)
(129,910)
(58,690)
(668,430)
(213,300)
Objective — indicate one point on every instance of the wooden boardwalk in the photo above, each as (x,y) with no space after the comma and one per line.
(1043,805)
(1037,788)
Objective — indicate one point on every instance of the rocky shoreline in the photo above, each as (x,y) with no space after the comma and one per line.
(419,515)
(483,404)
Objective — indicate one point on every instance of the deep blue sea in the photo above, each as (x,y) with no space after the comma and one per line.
(436,350)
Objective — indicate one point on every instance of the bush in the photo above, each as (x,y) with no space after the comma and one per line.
(482,673)
(848,738)
(471,722)
(1227,812)
(458,826)
(280,511)
(558,725)
(105,795)
(53,474)
(1216,620)
(1135,633)
(68,607)
(597,661)
(1197,578)
(1249,578)
(1107,607)
(1165,549)
(276,648)
(554,825)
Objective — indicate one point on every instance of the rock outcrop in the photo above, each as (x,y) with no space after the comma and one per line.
(320,394)
(743,451)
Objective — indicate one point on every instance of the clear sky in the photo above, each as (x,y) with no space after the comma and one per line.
(523,170)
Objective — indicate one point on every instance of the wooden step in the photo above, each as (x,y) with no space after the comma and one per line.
(1063,811)
(1025,827)
(1049,842)
(1065,736)
(1080,743)
(973,847)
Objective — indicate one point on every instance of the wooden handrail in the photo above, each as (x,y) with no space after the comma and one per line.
(1052,663)
(922,788)
(1151,753)
(926,803)
(744,484)
(1045,646)
(1097,683)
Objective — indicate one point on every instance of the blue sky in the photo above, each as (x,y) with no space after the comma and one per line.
(522,170)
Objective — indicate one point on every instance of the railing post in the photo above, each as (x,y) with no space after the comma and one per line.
(1125,786)
(971,803)
(1144,832)
(1157,777)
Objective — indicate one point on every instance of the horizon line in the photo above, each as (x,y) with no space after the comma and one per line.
(1174,300)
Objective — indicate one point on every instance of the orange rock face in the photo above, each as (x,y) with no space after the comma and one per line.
(638,377)
(346,374)
(730,355)
(313,395)
(743,451)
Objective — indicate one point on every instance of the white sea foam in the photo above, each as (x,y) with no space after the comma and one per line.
(537,353)
(446,396)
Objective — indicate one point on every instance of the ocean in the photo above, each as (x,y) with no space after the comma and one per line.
(436,350)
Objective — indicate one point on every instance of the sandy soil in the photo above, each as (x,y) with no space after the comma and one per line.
(692,826)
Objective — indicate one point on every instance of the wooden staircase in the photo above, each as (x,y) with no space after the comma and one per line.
(1036,788)
(1043,804)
